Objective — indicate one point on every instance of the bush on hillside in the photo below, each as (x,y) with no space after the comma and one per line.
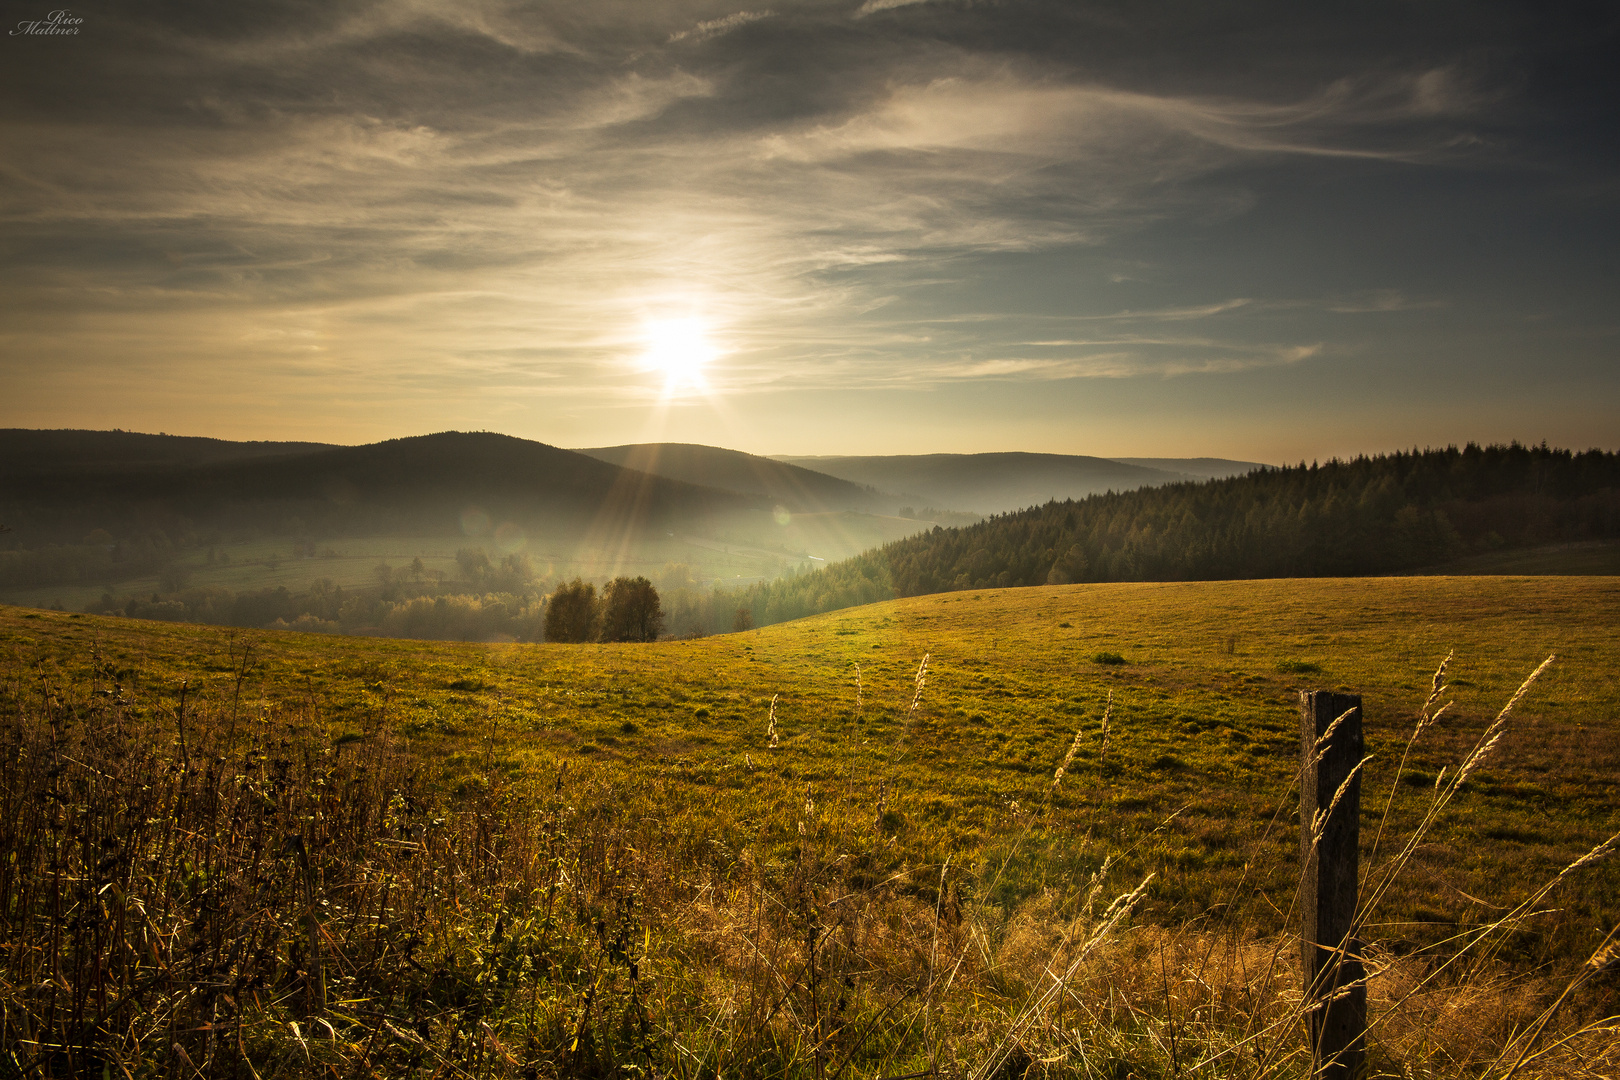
(630,610)
(572,613)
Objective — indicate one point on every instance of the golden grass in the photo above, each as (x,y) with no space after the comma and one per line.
(586,861)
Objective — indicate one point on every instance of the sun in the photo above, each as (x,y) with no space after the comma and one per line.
(679,348)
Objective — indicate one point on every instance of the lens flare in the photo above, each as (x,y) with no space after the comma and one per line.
(509,538)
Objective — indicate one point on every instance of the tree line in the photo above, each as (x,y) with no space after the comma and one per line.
(1369,515)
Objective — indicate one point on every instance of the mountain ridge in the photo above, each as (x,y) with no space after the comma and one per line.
(333,488)
(797,488)
(989,483)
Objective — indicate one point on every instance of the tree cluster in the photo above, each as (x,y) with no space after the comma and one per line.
(628,609)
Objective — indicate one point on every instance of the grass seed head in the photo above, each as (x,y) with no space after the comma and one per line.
(1067,759)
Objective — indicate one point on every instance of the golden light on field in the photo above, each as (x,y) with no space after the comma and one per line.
(680,349)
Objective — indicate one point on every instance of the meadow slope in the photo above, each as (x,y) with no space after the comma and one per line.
(712,809)
(1204,724)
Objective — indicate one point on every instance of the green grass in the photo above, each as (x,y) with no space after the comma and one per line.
(1006,691)
(947,794)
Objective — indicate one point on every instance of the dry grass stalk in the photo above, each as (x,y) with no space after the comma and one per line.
(1102,736)
(1063,766)
(921,681)
(1035,1011)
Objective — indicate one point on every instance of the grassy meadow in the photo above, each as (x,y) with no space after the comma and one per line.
(784,853)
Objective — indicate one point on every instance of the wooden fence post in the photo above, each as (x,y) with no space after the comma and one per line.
(1335,993)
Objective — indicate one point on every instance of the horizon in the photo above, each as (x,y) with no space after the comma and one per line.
(819,228)
(791,456)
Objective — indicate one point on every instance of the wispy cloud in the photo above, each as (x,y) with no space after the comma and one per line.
(496,196)
(1132,358)
(998,113)
(715,27)
(873,6)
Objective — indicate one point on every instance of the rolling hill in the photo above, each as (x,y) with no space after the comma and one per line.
(1377,515)
(1206,468)
(75,451)
(82,514)
(989,483)
(93,515)
(799,489)
(421,484)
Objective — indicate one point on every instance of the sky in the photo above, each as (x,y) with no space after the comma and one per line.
(1270,232)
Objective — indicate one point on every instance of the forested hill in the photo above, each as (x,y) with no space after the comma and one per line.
(989,483)
(800,490)
(1372,515)
(413,486)
(72,451)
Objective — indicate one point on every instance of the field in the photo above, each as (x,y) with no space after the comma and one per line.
(749,795)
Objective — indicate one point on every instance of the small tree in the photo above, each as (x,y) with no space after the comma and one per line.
(743,621)
(571,613)
(631,611)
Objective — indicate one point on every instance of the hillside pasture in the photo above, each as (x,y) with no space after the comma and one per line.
(803,770)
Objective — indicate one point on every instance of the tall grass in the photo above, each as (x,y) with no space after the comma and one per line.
(201,886)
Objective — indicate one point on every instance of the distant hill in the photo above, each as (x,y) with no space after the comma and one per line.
(800,490)
(1208,468)
(990,483)
(27,452)
(74,515)
(1377,515)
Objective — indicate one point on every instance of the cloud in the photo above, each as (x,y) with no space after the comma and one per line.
(1377,301)
(1183,358)
(715,27)
(998,113)
(636,97)
(874,6)
(492,197)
